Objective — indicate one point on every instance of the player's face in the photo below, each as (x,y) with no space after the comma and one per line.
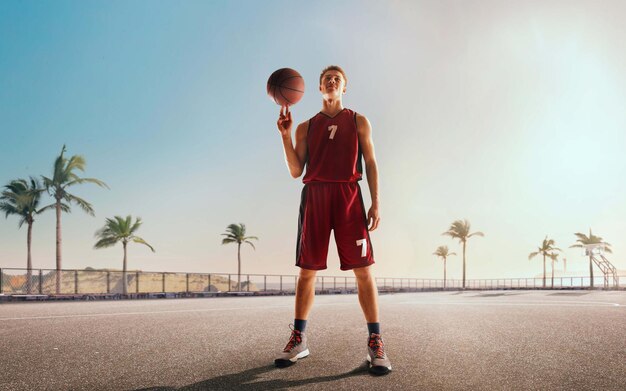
(333,85)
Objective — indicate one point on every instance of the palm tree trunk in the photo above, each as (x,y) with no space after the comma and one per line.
(239,267)
(58,255)
(463,265)
(444,273)
(29,261)
(544,270)
(591,268)
(125,284)
(552,284)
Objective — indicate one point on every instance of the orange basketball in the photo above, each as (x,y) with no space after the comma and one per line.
(285,87)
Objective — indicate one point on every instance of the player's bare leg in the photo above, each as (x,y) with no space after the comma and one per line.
(305,293)
(297,347)
(368,293)
(368,297)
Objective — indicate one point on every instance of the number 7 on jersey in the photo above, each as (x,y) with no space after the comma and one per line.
(332,129)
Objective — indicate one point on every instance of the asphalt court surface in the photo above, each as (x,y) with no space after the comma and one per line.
(485,340)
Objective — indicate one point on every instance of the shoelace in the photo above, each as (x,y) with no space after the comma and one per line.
(294,340)
(376,344)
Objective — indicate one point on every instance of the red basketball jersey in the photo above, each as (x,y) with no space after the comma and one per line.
(334,154)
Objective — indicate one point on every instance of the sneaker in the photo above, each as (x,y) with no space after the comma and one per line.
(296,348)
(379,363)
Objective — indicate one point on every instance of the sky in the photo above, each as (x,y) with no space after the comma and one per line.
(506,113)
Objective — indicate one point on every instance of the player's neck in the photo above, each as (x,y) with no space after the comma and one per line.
(331,107)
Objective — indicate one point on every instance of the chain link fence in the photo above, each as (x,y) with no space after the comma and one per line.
(15,281)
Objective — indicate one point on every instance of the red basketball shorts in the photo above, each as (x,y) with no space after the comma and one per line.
(327,206)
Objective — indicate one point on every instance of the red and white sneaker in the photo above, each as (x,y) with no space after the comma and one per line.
(379,363)
(296,348)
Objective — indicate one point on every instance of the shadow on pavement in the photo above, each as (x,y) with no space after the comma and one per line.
(496,294)
(246,380)
(568,294)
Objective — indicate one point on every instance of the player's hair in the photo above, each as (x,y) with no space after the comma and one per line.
(334,68)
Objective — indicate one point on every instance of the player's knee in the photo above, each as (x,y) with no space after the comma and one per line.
(362,272)
(306,274)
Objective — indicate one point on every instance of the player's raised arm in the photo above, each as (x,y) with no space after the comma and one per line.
(364,129)
(294,156)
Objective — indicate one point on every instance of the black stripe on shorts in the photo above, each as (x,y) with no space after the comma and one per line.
(300,223)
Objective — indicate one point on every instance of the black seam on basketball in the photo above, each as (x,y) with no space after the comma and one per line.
(291,77)
(281,93)
(292,89)
(281,86)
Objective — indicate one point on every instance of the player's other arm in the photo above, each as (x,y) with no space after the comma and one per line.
(364,130)
(295,156)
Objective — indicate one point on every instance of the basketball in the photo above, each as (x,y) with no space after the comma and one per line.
(285,87)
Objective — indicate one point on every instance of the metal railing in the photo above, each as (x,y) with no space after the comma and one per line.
(15,281)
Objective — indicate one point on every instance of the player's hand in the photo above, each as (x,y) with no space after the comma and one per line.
(284,122)
(373,218)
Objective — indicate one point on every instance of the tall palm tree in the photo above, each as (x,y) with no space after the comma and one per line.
(459,229)
(442,252)
(64,176)
(554,257)
(546,248)
(22,198)
(583,241)
(236,233)
(122,230)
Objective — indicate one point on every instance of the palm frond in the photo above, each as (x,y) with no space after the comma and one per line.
(460,229)
(78,180)
(106,242)
(137,239)
(59,164)
(84,205)
(21,198)
(76,162)
(136,225)
(582,238)
(8,209)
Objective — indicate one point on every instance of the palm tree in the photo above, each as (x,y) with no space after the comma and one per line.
(21,198)
(122,230)
(553,257)
(236,233)
(460,230)
(64,176)
(584,241)
(547,247)
(442,252)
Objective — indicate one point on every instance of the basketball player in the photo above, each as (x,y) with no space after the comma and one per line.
(330,145)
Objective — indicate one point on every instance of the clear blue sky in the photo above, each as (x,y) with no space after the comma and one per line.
(510,115)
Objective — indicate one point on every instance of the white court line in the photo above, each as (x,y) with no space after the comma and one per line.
(468,303)
(160,312)
(554,304)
